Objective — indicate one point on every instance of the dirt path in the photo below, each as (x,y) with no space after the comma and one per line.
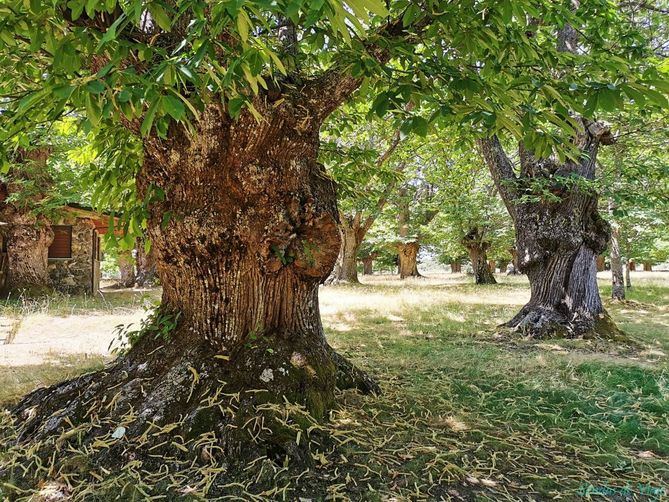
(41,338)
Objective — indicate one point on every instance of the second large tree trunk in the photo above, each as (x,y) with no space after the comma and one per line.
(557,239)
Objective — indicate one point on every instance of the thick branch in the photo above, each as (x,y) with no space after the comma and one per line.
(501,169)
(329,90)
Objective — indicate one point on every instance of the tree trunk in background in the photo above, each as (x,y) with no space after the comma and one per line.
(601,263)
(617,282)
(407,250)
(628,280)
(503,266)
(514,261)
(253,232)
(26,236)
(368,265)
(557,242)
(477,247)
(647,266)
(347,270)
(492,266)
(28,240)
(407,253)
(632,265)
(456,267)
(145,264)
(126,266)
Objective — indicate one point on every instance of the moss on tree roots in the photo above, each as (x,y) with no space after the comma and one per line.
(162,409)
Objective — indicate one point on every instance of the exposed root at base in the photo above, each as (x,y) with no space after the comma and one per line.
(182,407)
(541,323)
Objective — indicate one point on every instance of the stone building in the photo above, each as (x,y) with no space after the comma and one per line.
(74,254)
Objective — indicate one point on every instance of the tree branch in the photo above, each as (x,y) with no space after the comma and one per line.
(329,90)
(501,169)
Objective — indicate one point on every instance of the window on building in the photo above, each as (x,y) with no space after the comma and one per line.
(61,247)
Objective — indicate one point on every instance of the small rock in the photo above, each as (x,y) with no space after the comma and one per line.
(267,375)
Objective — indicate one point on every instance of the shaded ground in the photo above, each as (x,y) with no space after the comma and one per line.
(465,414)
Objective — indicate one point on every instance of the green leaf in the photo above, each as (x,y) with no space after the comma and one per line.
(95,87)
(420,126)
(160,16)
(235,106)
(147,123)
(174,107)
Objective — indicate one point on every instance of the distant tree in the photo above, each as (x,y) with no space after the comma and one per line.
(47,171)
(635,186)
(471,216)
(367,159)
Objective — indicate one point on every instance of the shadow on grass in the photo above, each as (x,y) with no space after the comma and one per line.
(17,381)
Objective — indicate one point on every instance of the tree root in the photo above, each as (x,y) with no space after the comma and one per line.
(542,322)
(177,406)
(351,377)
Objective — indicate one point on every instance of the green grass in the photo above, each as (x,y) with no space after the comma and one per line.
(60,304)
(469,414)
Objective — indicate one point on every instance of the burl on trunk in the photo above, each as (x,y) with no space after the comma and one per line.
(557,237)
(244,234)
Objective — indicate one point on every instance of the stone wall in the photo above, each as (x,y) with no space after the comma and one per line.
(75,275)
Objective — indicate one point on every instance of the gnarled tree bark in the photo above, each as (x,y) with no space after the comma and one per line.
(557,240)
(253,232)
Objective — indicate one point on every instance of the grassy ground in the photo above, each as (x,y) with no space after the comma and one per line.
(468,414)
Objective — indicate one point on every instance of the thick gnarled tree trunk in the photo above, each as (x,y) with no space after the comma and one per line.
(26,234)
(28,239)
(557,239)
(253,232)
(477,247)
